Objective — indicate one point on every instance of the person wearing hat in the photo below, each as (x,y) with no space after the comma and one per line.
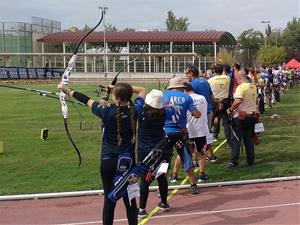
(151,135)
(197,131)
(175,126)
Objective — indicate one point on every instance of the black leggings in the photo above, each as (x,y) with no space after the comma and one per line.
(107,171)
(172,139)
(144,187)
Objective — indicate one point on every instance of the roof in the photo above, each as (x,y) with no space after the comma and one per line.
(144,37)
(293,63)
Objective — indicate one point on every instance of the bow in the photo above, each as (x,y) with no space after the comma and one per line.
(114,81)
(65,81)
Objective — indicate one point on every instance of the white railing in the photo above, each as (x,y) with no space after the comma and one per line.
(94,62)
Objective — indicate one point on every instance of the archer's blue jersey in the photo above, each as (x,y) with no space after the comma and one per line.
(202,87)
(182,102)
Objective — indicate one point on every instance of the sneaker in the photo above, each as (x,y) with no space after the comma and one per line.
(164,207)
(215,139)
(194,189)
(174,179)
(212,159)
(203,178)
(142,213)
(232,165)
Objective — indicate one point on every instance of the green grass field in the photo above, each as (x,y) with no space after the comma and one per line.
(31,165)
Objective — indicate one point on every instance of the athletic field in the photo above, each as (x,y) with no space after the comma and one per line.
(31,165)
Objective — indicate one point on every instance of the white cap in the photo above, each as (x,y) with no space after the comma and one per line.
(154,99)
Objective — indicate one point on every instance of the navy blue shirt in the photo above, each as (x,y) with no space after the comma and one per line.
(107,114)
(202,87)
(230,74)
(151,131)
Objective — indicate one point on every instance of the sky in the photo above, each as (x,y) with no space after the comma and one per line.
(233,16)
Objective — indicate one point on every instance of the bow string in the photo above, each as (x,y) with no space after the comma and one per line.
(114,81)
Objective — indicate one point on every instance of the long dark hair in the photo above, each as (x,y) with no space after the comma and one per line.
(153,113)
(123,93)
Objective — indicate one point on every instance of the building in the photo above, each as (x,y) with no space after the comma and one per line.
(41,44)
(21,37)
(162,52)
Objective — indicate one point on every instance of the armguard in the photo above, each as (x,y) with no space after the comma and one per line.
(81,97)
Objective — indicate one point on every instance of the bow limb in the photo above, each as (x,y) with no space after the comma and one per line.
(167,84)
(64,109)
(159,84)
(114,81)
(65,81)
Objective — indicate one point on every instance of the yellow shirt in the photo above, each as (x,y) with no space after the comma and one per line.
(246,92)
(220,85)
(259,81)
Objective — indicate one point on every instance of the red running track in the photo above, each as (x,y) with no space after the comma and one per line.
(264,203)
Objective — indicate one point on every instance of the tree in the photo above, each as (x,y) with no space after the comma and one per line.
(86,28)
(270,55)
(176,24)
(249,42)
(275,38)
(268,33)
(291,35)
(225,57)
(110,28)
(128,29)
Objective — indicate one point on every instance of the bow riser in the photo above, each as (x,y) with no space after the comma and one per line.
(64,106)
(66,75)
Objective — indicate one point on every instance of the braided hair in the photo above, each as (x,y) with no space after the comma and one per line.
(132,122)
(123,93)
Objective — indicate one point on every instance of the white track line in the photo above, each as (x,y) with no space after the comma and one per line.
(97,192)
(195,213)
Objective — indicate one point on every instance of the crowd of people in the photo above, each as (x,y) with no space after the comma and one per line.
(187,118)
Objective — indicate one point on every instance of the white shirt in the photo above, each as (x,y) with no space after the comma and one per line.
(198,127)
